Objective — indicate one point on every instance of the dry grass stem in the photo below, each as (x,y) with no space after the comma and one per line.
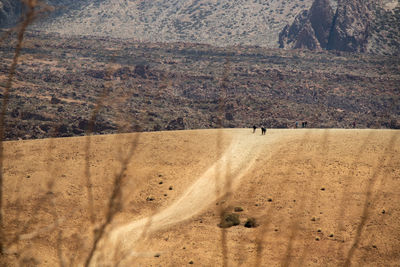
(30,15)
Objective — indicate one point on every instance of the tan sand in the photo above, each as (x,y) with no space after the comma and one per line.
(320,197)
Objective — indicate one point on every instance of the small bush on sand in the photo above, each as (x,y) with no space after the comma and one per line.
(238,209)
(229,220)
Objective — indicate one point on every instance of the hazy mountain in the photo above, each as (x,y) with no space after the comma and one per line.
(218,22)
(10,11)
(356,26)
(346,25)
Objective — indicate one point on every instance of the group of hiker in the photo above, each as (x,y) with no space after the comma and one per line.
(263,129)
(303,124)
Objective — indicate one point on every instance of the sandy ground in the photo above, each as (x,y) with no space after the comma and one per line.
(320,197)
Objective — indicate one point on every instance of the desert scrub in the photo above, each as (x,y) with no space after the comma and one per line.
(229,220)
(238,209)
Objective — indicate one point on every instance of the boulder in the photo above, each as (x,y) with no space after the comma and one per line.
(177,124)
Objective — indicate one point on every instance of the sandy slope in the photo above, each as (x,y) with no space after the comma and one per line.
(337,186)
(221,177)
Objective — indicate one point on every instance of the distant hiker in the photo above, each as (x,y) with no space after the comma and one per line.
(305,124)
(263,130)
(296,124)
(254,128)
(354,124)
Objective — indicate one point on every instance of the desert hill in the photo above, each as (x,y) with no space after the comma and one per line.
(353,26)
(217,23)
(158,86)
(350,25)
(320,197)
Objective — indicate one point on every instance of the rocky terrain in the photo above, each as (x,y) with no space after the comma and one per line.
(345,25)
(157,86)
(212,22)
(356,26)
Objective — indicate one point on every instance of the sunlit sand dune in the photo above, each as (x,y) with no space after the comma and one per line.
(320,197)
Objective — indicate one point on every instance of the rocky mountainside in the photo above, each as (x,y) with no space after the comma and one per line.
(173,86)
(10,11)
(345,25)
(356,26)
(310,29)
(223,22)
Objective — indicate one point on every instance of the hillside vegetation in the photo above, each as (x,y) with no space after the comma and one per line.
(351,25)
(159,86)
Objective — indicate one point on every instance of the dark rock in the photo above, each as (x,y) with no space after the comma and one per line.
(319,27)
(141,70)
(306,38)
(62,129)
(157,128)
(45,127)
(288,36)
(321,17)
(123,73)
(10,12)
(250,223)
(15,113)
(229,116)
(33,116)
(177,124)
(77,131)
(238,209)
(97,74)
(310,29)
(350,26)
(54,100)
(83,124)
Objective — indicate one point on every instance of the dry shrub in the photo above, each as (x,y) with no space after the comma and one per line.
(229,220)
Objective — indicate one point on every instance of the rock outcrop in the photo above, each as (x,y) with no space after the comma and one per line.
(320,17)
(310,29)
(319,27)
(10,11)
(350,26)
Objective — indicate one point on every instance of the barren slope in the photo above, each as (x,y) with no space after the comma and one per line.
(337,186)
(219,23)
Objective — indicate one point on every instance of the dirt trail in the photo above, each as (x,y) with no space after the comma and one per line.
(308,189)
(222,176)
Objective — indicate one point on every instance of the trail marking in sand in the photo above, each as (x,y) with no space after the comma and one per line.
(230,168)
